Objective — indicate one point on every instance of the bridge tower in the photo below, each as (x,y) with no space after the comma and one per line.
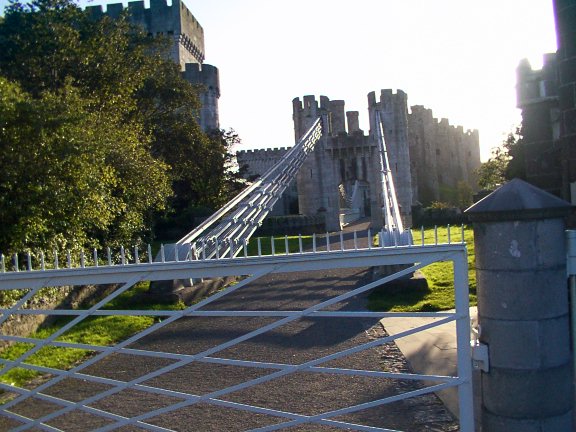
(393,108)
(316,180)
(345,164)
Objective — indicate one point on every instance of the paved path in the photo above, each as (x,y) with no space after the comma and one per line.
(294,343)
(431,351)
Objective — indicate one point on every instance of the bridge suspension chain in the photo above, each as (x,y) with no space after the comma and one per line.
(224,233)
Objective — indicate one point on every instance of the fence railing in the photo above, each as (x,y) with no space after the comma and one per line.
(316,253)
(39,260)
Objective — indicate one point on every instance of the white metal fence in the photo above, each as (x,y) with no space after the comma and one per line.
(339,251)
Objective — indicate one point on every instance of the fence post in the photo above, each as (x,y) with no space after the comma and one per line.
(523,310)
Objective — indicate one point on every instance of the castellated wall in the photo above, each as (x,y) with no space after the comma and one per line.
(429,158)
(187,50)
(175,21)
(207,77)
(258,162)
(443,157)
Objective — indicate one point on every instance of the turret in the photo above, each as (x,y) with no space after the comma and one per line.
(393,108)
(337,117)
(353,123)
(161,19)
(206,76)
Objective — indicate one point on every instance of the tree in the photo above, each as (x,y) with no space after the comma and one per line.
(71,177)
(96,125)
(491,174)
(515,148)
(506,163)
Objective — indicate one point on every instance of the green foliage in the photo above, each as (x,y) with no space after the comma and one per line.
(71,175)
(211,183)
(463,194)
(101,331)
(440,205)
(454,197)
(98,131)
(439,275)
(228,181)
(506,163)
(514,145)
(492,173)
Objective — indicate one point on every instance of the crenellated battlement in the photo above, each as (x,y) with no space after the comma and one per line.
(160,18)
(269,150)
(429,155)
(389,100)
(536,85)
(426,115)
(205,75)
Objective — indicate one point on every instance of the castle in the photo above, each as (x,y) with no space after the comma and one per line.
(547,98)
(430,160)
(177,22)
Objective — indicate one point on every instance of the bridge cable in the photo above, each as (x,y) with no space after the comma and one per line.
(225,232)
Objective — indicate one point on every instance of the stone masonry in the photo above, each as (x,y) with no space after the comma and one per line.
(443,157)
(537,97)
(428,158)
(547,98)
(178,23)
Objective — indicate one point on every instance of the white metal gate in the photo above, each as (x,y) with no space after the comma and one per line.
(335,252)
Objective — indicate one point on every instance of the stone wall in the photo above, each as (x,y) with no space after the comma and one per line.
(427,157)
(257,163)
(547,98)
(565,12)
(442,156)
(537,97)
(177,22)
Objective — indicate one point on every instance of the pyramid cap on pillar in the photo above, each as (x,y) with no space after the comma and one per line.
(518,200)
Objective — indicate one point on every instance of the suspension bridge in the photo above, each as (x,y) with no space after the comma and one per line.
(224,233)
(244,358)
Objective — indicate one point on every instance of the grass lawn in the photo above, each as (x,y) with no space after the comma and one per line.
(439,294)
(109,330)
(97,330)
(279,245)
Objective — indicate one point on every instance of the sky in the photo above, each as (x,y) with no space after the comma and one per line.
(456,57)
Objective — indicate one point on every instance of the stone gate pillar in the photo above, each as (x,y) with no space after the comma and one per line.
(523,310)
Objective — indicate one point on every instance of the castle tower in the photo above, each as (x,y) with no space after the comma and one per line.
(177,22)
(537,97)
(341,177)
(207,76)
(393,108)
(565,14)
(316,180)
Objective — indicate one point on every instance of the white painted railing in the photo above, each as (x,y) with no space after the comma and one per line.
(340,250)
